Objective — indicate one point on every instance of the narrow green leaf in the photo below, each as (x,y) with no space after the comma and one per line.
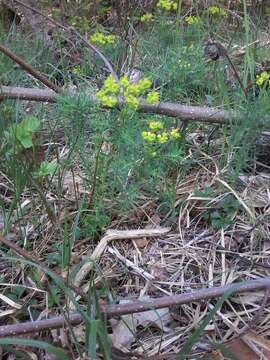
(186,349)
(60,354)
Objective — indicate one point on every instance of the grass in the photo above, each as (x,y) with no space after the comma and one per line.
(106,178)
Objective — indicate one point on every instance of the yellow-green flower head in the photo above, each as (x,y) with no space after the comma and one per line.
(146,17)
(148,136)
(132,101)
(110,85)
(138,88)
(174,134)
(162,138)
(152,97)
(144,84)
(263,78)
(106,100)
(102,39)
(132,89)
(215,10)
(156,126)
(192,20)
(124,81)
(167,5)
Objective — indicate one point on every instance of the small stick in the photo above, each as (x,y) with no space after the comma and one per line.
(137,306)
(30,69)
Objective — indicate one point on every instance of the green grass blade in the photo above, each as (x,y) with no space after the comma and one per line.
(60,354)
(186,349)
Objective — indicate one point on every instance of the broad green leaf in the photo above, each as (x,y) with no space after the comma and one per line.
(30,124)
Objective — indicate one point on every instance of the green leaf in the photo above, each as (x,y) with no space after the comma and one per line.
(60,354)
(31,124)
(24,138)
(46,168)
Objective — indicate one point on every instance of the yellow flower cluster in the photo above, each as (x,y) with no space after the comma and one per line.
(152,97)
(215,10)
(167,5)
(263,78)
(108,92)
(156,135)
(192,20)
(146,17)
(102,39)
(130,92)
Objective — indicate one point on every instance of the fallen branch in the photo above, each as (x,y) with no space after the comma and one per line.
(137,306)
(112,235)
(30,69)
(183,112)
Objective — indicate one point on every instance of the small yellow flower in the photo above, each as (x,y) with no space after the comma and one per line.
(262,78)
(111,86)
(124,81)
(152,97)
(146,17)
(174,134)
(132,89)
(102,39)
(156,126)
(106,100)
(132,101)
(167,5)
(162,138)
(192,20)
(144,84)
(148,136)
(215,10)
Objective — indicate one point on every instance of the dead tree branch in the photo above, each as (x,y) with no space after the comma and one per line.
(30,69)
(183,112)
(137,306)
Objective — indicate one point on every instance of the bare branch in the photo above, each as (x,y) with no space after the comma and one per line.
(183,112)
(30,69)
(137,306)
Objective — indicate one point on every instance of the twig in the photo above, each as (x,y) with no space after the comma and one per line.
(26,255)
(109,237)
(185,112)
(30,69)
(137,306)
(70,29)
(146,275)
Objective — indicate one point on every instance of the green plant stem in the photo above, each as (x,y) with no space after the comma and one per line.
(50,212)
(94,178)
(178,17)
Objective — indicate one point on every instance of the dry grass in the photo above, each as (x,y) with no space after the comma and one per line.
(192,255)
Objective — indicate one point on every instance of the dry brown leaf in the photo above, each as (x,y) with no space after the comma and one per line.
(125,330)
(261,342)
(241,350)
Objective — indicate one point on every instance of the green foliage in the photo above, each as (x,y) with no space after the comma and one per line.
(20,136)
(222,214)
(46,168)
